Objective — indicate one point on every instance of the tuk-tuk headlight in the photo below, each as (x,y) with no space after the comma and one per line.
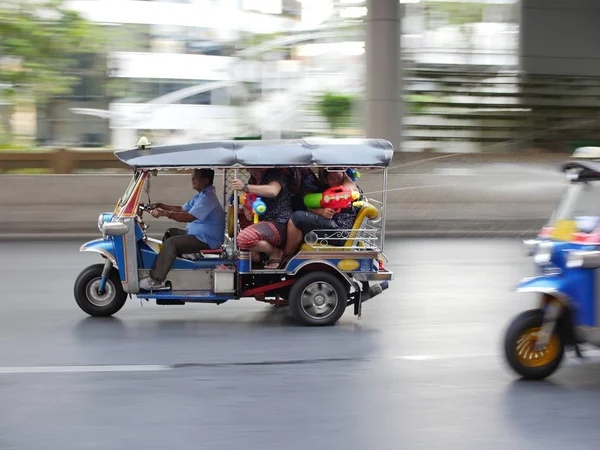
(100,221)
(543,254)
(114,229)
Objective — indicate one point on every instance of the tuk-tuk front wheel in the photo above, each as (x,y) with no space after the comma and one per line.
(318,298)
(520,351)
(88,297)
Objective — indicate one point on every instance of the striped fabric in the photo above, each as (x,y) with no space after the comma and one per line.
(250,236)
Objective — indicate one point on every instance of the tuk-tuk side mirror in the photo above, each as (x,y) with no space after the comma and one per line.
(584,259)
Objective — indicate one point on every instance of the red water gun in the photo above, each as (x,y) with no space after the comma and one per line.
(336,198)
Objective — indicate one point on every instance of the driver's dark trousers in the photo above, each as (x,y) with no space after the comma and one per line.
(176,242)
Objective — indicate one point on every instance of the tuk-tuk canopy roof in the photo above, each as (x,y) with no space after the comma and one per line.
(276,153)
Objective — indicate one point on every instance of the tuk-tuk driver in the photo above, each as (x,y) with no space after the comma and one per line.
(205,227)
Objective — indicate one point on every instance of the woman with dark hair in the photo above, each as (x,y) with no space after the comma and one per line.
(268,236)
(303,222)
(302,181)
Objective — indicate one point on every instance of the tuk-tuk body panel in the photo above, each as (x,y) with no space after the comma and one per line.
(121,255)
(103,246)
(348,262)
(243,262)
(148,255)
(576,287)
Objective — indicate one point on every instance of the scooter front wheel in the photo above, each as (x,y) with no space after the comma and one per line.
(520,351)
(88,297)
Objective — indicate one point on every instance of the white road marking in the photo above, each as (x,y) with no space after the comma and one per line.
(590,356)
(84,369)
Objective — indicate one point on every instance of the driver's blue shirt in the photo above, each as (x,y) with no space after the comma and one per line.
(209,225)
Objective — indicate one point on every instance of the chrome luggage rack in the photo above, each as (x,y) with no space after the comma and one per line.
(363,239)
(366,238)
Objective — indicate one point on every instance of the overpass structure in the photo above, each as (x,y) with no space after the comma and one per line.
(559,46)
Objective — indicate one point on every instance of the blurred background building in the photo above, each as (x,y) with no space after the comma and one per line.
(181,70)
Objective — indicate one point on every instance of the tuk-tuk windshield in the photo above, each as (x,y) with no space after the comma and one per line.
(129,189)
(581,204)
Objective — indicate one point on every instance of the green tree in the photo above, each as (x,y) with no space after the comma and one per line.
(40,45)
(336,108)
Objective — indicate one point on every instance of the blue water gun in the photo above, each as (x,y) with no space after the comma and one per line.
(353,174)
(254,204)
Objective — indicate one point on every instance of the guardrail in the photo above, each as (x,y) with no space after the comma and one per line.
(60,161)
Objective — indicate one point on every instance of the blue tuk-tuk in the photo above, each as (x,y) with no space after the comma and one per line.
(567,255)
(317,283)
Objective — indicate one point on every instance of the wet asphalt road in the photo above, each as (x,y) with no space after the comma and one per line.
(422,369)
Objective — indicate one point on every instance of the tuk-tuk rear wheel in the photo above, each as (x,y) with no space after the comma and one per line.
(520,352)
(90,300)
(318,299)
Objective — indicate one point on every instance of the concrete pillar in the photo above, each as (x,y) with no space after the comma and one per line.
(559,37)
(383,105)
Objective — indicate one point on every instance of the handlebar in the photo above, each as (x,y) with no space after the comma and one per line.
(143,207)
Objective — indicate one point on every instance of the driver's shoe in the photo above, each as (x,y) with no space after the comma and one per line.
(150,283)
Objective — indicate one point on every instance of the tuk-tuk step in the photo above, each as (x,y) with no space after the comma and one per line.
(183,296)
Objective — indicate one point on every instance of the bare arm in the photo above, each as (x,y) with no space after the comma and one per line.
(178,216)
(324,212)
(173,208)
(270,190)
